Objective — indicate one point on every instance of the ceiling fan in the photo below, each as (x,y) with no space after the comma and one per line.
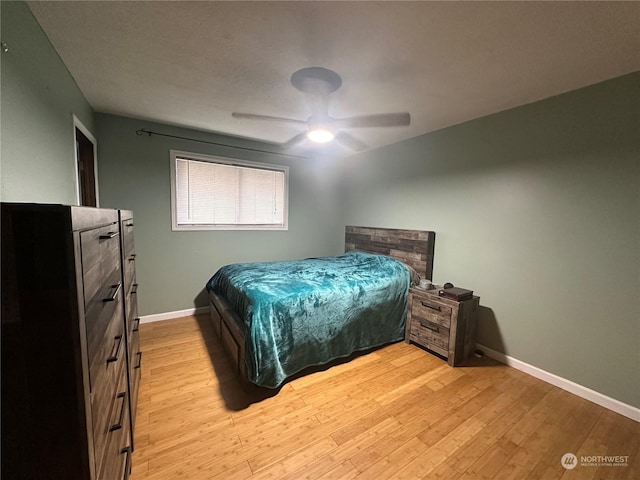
(319,82)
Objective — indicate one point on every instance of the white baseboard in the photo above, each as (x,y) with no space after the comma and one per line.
(156,317)
(572,387)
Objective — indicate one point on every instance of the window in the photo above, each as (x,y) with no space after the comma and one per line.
(213,193)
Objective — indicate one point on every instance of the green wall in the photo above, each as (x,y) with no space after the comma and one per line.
(173,267)
(39,97)
(536,209)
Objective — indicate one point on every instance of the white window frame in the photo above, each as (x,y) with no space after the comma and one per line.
(175,154)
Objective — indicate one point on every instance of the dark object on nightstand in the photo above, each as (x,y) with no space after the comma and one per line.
(455,293)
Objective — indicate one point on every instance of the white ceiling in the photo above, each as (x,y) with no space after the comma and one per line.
(193,63)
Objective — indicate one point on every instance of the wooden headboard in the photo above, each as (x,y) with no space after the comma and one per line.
(413,247)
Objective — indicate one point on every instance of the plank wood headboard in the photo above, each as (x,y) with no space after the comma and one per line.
(413,247)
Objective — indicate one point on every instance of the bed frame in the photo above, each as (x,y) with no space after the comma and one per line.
(413,247)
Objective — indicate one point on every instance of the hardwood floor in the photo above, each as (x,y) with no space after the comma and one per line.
(397,412)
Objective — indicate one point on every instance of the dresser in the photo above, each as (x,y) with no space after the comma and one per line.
(132,321)
(441,325)
(69,358)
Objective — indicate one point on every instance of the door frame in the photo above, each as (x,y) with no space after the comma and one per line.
(85,131)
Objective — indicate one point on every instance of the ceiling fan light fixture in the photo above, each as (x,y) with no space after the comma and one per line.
(320,135)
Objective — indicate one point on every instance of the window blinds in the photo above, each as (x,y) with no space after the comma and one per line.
(210,193)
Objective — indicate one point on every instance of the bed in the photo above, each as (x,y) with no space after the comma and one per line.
(276,319)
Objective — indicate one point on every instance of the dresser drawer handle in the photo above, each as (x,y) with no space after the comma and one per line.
(118,426)
(115,350)
(108,235)
(136,325)
(431,327)
(126,451)
(116,289)
(139,355)
(132,257)
(432,307)
(130,224)
(134,290)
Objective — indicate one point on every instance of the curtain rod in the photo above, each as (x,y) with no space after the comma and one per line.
(142,131)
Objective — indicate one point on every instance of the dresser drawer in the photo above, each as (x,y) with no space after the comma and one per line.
(98,243)
(108,404)
(100,261)
(104,374)
(118,464)
(431,335)
(126,227)
(133,319)
(129,266)
(431,310)
(106,342)
(135,371)
(132,302)
(101,282)
(100,318)
(113,435)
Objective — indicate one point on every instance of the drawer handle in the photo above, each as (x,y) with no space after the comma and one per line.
(134,290)
(116,289)
(117,341)
(433,328)
(130,224)
(118,426)
(108,235)
(139,355)
(432,307)
(132,257)
(126,451)
(136,324)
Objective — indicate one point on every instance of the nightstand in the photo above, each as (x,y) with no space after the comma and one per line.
(443,326)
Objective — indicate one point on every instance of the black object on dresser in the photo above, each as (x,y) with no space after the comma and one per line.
(67,386)
(442,325)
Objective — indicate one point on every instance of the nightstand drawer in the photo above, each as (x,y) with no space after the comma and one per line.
(431,311)
(431,335)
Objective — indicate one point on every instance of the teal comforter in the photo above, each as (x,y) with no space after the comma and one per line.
(308,312)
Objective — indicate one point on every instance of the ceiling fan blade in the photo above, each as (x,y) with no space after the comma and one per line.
(349,141)
(379,120)
(251,116)
(299,138)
